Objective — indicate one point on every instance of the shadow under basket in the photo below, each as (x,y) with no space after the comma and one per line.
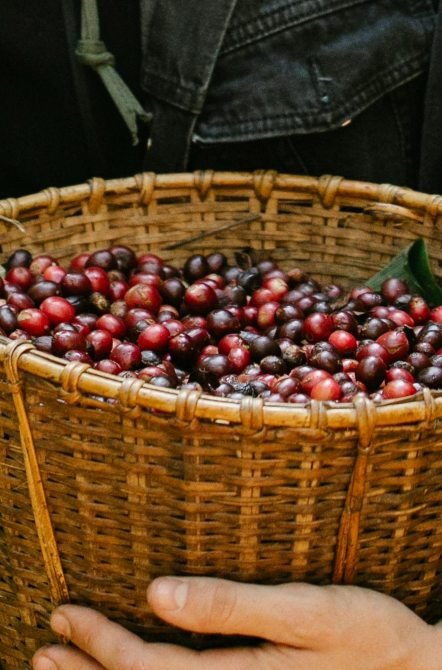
(99,498)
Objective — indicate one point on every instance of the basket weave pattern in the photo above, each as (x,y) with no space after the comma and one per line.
(107,483)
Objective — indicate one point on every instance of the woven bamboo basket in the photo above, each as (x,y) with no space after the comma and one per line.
(99,498)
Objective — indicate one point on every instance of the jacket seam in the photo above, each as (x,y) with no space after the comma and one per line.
(284,16)
(151,80)
(414,67)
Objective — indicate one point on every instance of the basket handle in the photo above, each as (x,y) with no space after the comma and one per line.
(45,531)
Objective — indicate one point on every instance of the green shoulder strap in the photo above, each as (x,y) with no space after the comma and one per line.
(91,50)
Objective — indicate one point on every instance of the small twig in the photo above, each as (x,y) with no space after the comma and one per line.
(213,231)
(13,221)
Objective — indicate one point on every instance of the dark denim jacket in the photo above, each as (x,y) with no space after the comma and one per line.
(234,70)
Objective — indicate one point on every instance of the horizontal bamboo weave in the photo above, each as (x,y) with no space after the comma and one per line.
(97,498)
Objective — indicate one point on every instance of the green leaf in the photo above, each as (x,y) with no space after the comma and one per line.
(413,266)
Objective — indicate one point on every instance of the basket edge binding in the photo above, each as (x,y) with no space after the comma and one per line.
(326,187)
(77,378)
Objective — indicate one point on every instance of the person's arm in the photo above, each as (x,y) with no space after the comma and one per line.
(303,628)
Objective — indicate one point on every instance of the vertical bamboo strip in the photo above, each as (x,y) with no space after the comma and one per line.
(43,523)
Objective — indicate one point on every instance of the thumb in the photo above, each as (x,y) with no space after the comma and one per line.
(292,614)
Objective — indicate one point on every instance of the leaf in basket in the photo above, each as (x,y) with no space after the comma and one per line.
(412,265)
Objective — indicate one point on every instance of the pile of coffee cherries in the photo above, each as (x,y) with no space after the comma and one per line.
(229,331)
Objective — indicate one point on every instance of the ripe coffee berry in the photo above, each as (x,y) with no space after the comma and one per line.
(231,331)
(327,389)
(344,342)
(398,388)
(58,310)
(200,299)
(155,338)
(318,327)
(34,322)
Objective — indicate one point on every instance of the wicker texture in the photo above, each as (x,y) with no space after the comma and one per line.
(107,483)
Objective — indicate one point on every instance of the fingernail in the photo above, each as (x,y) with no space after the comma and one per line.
(60,625)
(43,663)
(172,593)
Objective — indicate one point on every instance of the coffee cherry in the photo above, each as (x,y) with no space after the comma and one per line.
(101,341)
(344,342)
(183,351)
(21,276)
(327,389)
(318,327)
(67,341)
(44,343)
(58,310)
(173,291)
(373,349)
(393,288)
(371,371)
(102,259)
(216,261)
(273,365)
(396,343)
(99,280)
(398,388)
(263,346)
(78,356)
(42,290)
(401,318)
(76,283)
(143,296)
(174,326)
(239,357)
(20,258)
(200,299)
(313,378)
(196,267)
(419,310)
(374,328)
(418,361)
(424,348)
(119,308)
(327,360)
(79,262)
(54,273)
(293,330)
(298,399)
(20,300)
(113,324)
(277,287)
(431,377)
(126,259)
(287,386)
(218,365)
(127,355)
(34,322)
(155,338)
(266,315)
(360,290)
(221,322)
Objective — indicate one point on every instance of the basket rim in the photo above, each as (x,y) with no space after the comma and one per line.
(187,405)
(322,187)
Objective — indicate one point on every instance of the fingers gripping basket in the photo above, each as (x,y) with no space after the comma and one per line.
(97,498)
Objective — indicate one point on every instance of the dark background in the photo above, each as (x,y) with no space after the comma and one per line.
(58,125)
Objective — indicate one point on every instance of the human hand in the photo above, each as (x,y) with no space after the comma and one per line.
(303,627)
